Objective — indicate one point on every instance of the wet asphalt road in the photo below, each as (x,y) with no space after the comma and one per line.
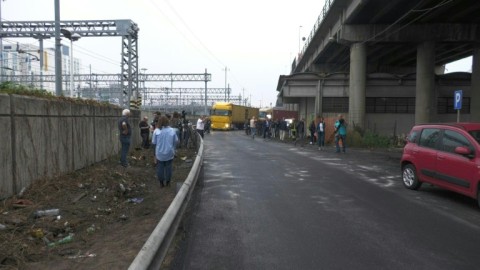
(270,205)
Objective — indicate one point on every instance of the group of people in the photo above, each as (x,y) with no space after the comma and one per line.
(266,128)
(297,131)
(165,130)
(168,131)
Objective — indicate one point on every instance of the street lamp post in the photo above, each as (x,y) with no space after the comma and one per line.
(72,37)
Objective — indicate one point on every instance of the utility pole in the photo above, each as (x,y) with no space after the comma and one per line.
(41,54)
(228,96)
(206,80)
(243,97)
(226,69)
(90,78)
(144,99)
(58,52)
(1,43)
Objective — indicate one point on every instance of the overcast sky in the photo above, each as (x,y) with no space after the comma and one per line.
(256,40)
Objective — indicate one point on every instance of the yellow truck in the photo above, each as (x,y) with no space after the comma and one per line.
(228,116)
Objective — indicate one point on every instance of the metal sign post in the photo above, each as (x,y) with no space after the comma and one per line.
(457,102)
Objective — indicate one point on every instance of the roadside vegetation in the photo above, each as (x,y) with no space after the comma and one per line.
(370,139)
(19,89)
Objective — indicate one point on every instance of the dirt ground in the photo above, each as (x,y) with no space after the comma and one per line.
(106,213)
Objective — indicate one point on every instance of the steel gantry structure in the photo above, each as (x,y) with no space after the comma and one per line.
(110,78)
(128,78)
(127,29)
(182,95)
(115,79)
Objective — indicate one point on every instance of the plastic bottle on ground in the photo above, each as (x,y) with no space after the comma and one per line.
(49,212)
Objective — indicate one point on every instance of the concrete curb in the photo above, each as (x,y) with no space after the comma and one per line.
(155,248)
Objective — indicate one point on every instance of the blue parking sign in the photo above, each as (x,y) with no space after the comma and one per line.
(457,100)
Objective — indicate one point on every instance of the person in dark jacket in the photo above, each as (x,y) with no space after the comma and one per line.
(144,132)
(312,129)
(300,127)
(283,126)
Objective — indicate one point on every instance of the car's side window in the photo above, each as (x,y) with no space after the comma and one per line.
(429,137)
(475,134)
(413,136)
(452,140)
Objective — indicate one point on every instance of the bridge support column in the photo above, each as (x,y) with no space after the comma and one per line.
(425,85)
(318,98)
(475,86)
(358,79)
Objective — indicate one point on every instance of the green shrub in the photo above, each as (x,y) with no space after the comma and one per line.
(373,140)
(368,139)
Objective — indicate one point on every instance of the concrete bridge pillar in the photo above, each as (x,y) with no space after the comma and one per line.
(358,79)
(475,86)
(425,87)
(318,98)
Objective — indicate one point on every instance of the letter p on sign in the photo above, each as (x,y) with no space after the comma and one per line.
(457,100)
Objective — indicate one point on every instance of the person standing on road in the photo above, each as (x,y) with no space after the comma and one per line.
(165,142)
(277,128)
(207,126)
(340,134)
(300,127)
(177,126)
(144,132)
(283,129)
(274,128)
(266,129)
(200,125)
(312,130)
(321,134)
(292,129)
(253,129)
(125,132)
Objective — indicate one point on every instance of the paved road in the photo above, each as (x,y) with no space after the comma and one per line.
(270,205)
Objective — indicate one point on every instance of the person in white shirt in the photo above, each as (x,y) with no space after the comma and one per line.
(200,125)
(253,128)
(321,134)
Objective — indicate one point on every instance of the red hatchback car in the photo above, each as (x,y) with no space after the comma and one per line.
(445,155)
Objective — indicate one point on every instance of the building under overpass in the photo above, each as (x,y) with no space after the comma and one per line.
(381,63)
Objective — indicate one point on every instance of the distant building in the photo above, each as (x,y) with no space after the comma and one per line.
(21,59)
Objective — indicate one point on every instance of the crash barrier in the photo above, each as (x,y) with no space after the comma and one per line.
(154,250)
(43,137)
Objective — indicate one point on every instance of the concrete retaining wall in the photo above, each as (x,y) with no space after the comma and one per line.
(42,138)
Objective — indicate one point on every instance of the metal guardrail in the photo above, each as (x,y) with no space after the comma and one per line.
(155,248)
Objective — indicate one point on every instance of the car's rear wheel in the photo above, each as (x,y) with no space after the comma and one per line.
(409,177)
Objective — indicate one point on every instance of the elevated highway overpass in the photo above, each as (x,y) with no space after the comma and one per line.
(397,37)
